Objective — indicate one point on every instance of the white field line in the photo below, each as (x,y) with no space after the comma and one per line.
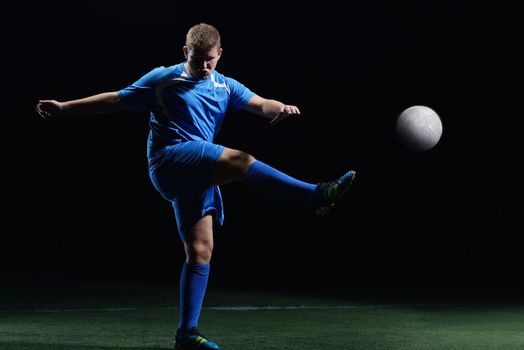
(260,308)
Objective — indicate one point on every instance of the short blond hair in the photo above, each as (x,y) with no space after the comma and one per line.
(203,36)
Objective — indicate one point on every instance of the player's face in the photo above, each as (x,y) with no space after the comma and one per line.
(202,63)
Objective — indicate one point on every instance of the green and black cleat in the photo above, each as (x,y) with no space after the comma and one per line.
(192,339)
(328,192)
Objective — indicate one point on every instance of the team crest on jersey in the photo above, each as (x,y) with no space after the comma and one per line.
(219,85)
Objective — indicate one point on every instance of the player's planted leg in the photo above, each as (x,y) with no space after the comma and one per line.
(198,245)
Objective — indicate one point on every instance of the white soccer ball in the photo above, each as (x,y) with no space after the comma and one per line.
(419,128)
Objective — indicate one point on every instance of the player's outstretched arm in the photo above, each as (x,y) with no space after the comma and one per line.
(272,109)
(106,102)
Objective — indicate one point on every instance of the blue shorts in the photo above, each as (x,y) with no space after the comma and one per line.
(181,173)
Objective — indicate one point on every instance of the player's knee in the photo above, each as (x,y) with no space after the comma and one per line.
(233,165)
(200,252)
(247,159)
(242,163)
(240,159)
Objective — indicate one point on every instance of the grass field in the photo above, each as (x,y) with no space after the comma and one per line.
(144,317)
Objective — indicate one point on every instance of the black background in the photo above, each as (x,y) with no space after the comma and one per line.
(78,202)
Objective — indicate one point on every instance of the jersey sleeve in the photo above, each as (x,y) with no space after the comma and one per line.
(240,94)
(140,95)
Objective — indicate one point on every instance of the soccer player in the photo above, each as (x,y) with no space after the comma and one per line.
(187,103)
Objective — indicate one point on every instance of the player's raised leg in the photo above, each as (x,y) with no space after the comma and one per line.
(235,165)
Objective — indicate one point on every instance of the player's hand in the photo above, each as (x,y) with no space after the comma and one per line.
(49,109)
(285,112)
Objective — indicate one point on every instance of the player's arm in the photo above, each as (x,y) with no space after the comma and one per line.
(106,102)
(272,109)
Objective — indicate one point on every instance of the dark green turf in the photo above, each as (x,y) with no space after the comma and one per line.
(144,317)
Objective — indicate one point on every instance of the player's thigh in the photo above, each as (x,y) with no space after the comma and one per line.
(190,210)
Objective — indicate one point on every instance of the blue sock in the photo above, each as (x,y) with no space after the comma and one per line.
(270,180)
(193,283)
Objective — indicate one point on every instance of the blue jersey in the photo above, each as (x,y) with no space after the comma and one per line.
(182,108)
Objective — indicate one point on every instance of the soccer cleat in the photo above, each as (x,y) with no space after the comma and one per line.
(192,339)
(328,192)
